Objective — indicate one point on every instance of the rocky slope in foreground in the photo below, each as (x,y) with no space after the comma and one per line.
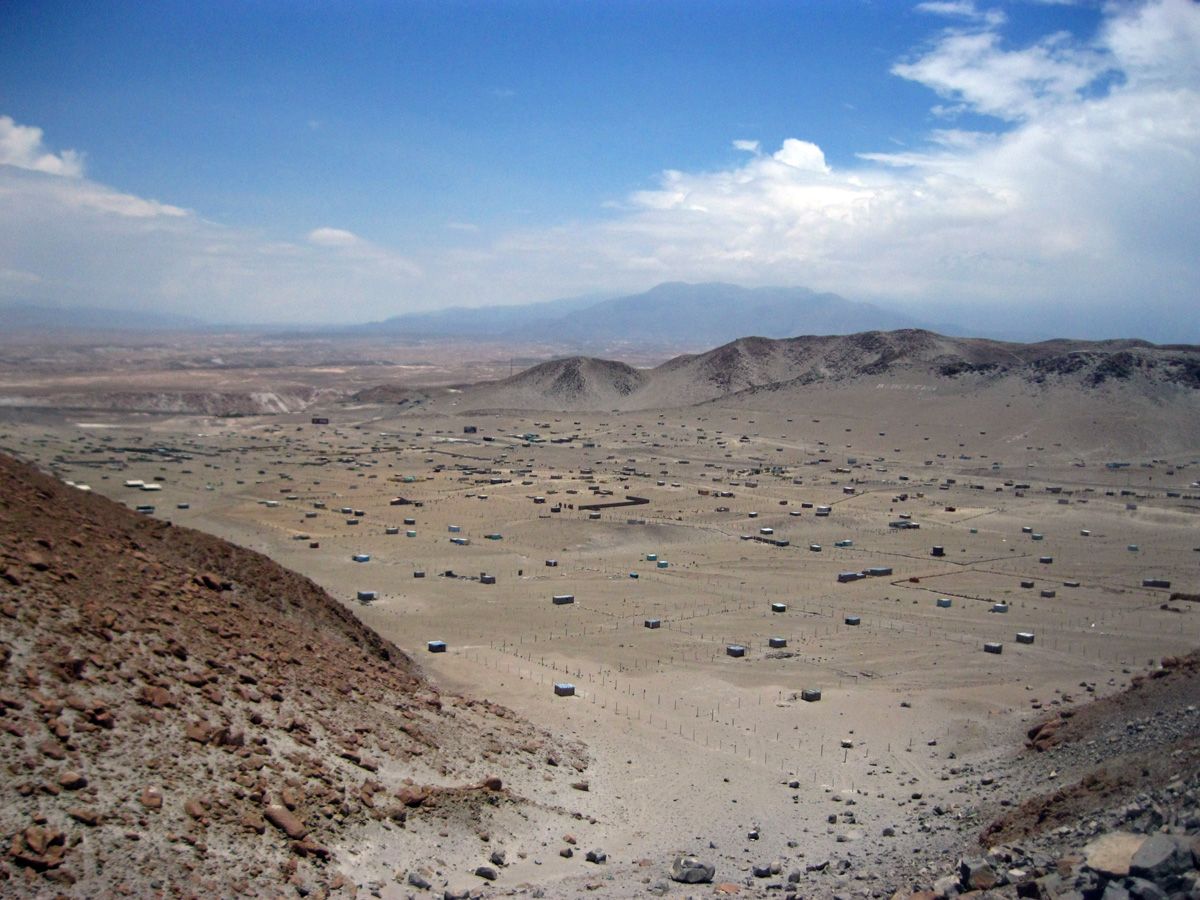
(182,717)
(1104,804)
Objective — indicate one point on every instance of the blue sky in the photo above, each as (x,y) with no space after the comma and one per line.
(323,161)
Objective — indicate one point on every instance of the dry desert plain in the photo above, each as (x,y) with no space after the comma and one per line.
(691,748)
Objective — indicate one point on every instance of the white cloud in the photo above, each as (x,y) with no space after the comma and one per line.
(68,241)
(1079,204)
(974,69)
(332,237)
(963,9)
(1079,215)
(21,146)
(801,155)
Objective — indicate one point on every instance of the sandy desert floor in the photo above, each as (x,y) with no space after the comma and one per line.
(693,749)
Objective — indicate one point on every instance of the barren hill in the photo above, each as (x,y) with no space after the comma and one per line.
(184,717)
(578,382)
(755,364)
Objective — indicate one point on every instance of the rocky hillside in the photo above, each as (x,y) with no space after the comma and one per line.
(183,717)
(756,365)
(1105,801)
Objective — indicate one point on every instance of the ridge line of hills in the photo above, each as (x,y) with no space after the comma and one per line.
(754,366)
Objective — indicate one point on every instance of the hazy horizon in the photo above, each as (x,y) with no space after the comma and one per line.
(1015,168)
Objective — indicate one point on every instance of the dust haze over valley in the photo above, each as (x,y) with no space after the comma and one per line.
(1035,499)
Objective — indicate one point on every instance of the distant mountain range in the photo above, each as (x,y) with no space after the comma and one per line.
(757,366)
(674,312)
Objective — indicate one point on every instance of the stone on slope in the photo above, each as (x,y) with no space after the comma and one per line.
(690,870)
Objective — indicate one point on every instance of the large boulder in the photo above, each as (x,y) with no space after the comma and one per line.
(1160,856)
(976,874)
(689,870)
(1112,854)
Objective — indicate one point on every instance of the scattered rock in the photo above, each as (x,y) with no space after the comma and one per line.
(690,870)
(285,820)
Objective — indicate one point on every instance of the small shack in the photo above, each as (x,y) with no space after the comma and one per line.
(735,650)
(367,596)
(362,557)
(853,620)
(564,689)
(436,646)
(563,599)
(778,607)
(776,642)
(810,695)
(993,647)
(944,602)
(654,623)
(1024,637)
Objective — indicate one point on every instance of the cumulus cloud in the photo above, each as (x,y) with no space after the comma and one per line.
(21,146)
(801,155)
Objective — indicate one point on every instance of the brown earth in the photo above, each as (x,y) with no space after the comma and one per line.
(182,717)
(1127,767)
